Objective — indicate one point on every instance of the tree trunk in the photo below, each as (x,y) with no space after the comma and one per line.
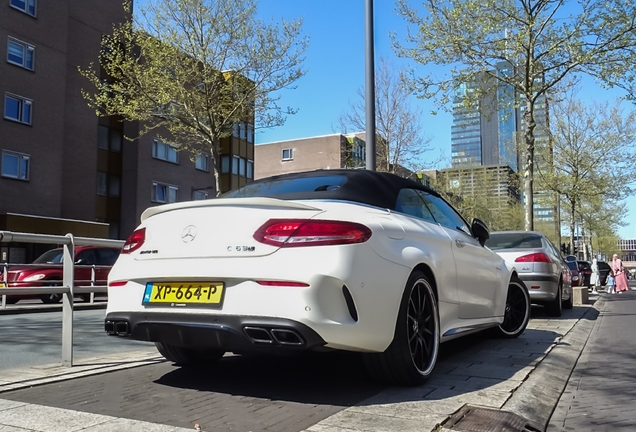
(530,125)
(572,226)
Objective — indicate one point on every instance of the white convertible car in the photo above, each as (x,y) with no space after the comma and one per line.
(349,260)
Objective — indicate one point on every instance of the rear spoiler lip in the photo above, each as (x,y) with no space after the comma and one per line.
(227,202)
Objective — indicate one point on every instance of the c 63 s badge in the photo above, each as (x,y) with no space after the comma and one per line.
(241,248)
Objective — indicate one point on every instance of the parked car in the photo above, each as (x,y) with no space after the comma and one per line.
(604,269)
(47,270)
(351,260)
(540,266)
(574,270)
(585,272)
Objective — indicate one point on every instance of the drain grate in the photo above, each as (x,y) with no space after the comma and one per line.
(475,419)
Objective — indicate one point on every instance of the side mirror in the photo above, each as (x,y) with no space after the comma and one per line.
(480,231)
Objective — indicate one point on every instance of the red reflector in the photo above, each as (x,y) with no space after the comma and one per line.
(135,240)
(305,232)
(118,283)
(535,257)
(282,283)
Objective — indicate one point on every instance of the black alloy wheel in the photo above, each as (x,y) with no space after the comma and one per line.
(421,326)
(517,311)
(412,355)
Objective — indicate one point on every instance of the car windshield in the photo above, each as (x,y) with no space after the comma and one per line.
(514,241)
(54,256)
(270,188)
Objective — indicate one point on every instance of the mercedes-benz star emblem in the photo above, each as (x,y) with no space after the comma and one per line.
(189,233)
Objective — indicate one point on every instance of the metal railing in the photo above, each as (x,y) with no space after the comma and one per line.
(68,287)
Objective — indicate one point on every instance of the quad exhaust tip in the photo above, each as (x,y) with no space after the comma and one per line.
(117,328)
(280,336)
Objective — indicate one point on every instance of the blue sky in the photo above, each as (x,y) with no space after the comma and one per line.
(335,70)
(335,62)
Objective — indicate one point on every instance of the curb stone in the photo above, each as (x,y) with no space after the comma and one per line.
(537,398)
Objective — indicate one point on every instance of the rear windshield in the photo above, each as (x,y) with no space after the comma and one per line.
(572,265)
(272,188)
(514,241)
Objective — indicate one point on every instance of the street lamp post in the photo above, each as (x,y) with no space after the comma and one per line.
(370,87)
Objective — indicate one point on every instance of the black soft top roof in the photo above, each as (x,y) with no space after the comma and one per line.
(358,185)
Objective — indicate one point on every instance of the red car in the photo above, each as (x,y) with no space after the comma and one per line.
(577,279)
(47,270)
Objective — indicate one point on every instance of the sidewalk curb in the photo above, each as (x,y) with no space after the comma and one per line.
(537,398)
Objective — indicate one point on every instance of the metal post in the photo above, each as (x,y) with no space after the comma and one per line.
(5,284)
(92,295)
(370,87)
(67,302)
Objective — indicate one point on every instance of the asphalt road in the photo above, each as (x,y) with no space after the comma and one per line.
(35,339)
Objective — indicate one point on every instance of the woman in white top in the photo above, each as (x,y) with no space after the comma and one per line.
(595,278)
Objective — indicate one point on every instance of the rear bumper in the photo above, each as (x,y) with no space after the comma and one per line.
(228,333)
(542,288)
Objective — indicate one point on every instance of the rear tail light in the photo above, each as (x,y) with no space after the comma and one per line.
(534,257)
(305,232)
(134,242)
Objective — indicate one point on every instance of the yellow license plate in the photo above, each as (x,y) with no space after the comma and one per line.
(184,293)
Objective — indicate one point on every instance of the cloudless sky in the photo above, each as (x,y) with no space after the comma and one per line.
(335,64)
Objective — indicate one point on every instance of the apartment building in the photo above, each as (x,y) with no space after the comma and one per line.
(307,154)
(63,169)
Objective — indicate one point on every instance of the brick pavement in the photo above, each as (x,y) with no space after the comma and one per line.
(601,393)
(318,393)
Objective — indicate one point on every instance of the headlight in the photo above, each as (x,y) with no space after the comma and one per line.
(575,278)
(35,277)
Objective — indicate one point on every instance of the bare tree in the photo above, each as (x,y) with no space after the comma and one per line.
(197,68)
(399,143)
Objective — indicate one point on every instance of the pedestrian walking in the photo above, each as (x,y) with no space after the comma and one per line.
(619,274)
(611,283)
(595,278)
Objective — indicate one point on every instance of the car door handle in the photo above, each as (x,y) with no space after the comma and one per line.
(460,243)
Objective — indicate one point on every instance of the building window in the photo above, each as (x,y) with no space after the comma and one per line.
(163,193)
(17,108)
(235,131)
(250,133)
(27,6)
(109,139)
(242,131)
(15,165)
(288,154)
(102,183)
(199,195)
(242,167)
(250,169)
(20,53)
(202,162)
(235,164)
(225,164)
(108,184)
(164,152)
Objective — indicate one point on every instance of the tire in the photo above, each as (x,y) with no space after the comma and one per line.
(186,356)
(51,298)
(555,307)
(517,312)
(412,355)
